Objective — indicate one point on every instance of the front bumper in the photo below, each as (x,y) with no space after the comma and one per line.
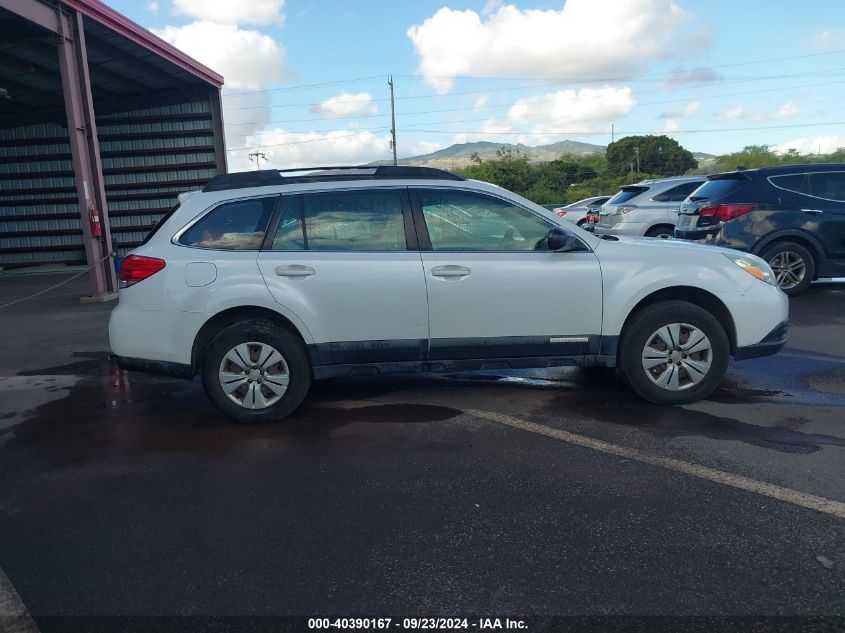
(772,343)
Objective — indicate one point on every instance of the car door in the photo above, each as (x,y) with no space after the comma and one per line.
(341,260)
(827,214)
(494,288)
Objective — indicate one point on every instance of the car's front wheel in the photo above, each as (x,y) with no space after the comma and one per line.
(674,352)
(256,371)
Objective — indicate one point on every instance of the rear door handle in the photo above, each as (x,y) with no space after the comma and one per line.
(812,211)
(295,270)
(450,271)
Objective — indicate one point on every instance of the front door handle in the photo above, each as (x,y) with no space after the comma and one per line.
(450,271)
(295,270)
(812,211)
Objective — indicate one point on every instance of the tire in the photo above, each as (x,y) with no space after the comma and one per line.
(784,257)
(268,393)
(683,320)
(661,230)
(581,223)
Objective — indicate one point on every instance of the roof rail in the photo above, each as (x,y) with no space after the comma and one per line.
(269,177)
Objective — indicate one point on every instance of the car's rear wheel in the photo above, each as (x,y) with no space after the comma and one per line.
(663,230)
(674,352)
(581,223)
(256,371)
(792,264)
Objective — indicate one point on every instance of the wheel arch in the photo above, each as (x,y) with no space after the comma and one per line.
(793,235)
(223,319)
(690,294)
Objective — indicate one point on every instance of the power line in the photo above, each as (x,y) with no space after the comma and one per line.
(594,132)
(541,81)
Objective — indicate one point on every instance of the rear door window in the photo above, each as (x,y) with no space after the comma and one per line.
(232,226)
(353,221)
(626,194)
(829,185)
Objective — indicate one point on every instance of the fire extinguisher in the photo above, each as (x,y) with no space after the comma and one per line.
(94,219)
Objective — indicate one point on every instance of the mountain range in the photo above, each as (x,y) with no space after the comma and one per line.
(460,154)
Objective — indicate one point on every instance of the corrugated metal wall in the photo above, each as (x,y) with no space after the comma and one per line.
(149,155)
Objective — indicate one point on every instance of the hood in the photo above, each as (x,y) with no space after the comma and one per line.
(678,245)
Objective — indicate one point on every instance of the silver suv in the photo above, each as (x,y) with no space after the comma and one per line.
(649,207)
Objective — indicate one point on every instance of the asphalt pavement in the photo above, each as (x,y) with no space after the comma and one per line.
(553,492)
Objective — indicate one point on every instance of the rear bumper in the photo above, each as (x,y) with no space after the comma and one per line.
(772,343)
(634,229)
(155,367)
(694,234)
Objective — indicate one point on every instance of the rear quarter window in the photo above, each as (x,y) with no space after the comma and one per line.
(232,226)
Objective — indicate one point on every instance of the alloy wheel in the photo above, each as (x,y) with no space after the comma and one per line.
(789,269)
(677,356)
(254,375)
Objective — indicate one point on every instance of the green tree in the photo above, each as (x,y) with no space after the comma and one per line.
(658,155)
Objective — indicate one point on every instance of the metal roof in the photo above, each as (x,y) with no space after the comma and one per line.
(119,23)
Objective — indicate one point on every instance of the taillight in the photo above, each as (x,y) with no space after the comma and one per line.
(136,268)
(592,217)
(725,212)
(560,212)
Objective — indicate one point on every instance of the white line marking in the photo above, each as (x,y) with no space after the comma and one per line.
(14,618)
(788,495)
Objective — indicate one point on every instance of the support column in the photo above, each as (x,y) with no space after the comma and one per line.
(88,173)
(217,130)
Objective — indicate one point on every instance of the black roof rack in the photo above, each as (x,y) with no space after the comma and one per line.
(268,177)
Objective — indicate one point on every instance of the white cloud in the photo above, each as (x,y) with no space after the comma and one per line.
(491,6)
(152,6)
(481,101)
(787,111)
(684,111)
(245,58)
(691,77)
(670,126)
(583,40)
(231,11)
(346,104)
(560,112)
(824,144)
(730,114)
(298,149)
(830,39)
(419,148)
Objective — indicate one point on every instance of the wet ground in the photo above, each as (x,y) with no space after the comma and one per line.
(123,494)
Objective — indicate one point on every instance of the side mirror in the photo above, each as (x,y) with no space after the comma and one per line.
(562,241)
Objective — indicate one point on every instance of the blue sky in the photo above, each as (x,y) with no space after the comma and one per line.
(714,75)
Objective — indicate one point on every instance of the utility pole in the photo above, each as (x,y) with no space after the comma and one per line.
(257,157)
(637,150)
(392,120)
(612,132)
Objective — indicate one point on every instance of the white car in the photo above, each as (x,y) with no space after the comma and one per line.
(576,212)
(265,281)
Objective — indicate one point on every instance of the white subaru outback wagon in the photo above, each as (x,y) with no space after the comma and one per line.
(266,281)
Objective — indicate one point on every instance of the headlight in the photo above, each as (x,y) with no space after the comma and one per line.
(754,266)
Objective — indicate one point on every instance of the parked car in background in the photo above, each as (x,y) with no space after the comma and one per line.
(576,212)
(265,281)
(792,216)
(648,208)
